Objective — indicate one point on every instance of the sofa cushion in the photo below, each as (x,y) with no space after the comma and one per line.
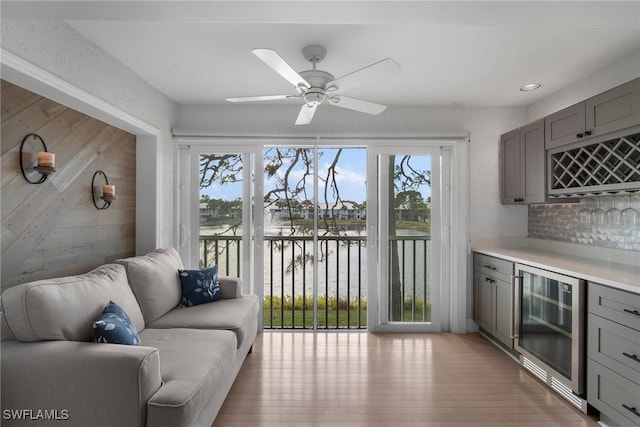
(237,315)
(192,365)
(64,308)
(199,286)
(114,327)
(154,280)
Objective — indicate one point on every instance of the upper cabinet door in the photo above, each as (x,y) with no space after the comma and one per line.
(512,174)
(522,158)
(565,126)
(532,143)
(614,109)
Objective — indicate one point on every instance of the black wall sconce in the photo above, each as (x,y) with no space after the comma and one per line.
(36,163)
(108,191)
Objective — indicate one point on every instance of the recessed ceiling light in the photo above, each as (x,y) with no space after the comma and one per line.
(530,87)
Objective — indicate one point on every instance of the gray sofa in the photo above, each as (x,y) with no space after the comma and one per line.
(52,374)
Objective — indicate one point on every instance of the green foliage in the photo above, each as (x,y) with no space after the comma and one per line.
(333,313)
(300,302)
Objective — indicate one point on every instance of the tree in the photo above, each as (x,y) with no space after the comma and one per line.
(406,180)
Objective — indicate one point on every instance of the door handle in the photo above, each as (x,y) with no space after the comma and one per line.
(373,234)
(515,307)
(258,237)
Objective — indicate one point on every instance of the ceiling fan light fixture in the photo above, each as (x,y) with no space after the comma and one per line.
(530,86)
(313,97)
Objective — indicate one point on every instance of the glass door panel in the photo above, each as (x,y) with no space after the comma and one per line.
(406,218)
(288,207)
(546,327)
(409,236)
(222,223)
(221,212)
(314,238)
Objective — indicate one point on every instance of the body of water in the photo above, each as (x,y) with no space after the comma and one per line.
(341,264)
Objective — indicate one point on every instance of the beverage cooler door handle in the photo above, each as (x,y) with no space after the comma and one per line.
(515,307)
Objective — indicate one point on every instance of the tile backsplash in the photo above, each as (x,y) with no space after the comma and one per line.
(606,221)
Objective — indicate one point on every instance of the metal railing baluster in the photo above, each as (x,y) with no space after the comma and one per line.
(332,274)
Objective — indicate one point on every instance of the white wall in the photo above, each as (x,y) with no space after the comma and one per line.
(56,48)
(625,69)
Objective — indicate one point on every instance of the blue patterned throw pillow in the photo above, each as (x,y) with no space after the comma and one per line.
(199,286)
(114,326)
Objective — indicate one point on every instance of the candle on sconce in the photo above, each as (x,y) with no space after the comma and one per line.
(109,190)
(46,159)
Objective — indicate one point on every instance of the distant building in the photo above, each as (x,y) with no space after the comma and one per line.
(344,211)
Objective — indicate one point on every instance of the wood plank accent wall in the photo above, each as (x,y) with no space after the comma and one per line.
(53,229)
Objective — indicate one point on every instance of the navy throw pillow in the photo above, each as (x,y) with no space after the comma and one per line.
(114,326)
(199,286)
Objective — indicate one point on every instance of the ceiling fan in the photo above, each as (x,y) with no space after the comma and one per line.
(315,86)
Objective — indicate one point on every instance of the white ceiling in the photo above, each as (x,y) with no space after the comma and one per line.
(475,53)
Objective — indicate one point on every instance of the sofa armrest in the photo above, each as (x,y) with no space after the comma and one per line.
(82,383)
(231,287)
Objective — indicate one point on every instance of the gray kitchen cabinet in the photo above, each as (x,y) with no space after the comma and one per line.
(522,165)
(493,293)
(615,109)
(613,366)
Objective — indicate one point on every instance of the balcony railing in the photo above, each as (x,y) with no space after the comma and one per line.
(341,287)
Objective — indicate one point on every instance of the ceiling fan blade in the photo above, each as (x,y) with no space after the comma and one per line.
(306,114)
(275,61)
(366,75)
(357,104)
(258,98)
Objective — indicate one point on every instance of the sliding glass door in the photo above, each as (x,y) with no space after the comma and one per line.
(329,237)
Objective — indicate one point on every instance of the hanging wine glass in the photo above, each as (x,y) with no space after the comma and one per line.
(613,216)
(630,216)
(584,214)
(598,214)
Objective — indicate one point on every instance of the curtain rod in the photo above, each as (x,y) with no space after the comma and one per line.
(182,135)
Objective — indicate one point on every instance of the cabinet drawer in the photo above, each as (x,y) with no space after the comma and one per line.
(494,267)
(615,346)
(620,306)
(613,395)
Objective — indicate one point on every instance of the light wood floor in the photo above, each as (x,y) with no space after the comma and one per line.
(364,380)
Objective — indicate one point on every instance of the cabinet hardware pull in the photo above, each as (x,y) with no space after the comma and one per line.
(491,267)
(486,279)
(587,133)
(631,409)
(635,312)
(631,356)
(579,135)
(518,200)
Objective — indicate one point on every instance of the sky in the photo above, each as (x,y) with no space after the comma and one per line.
(351,177)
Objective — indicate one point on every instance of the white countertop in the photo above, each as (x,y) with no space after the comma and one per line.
(612,267)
